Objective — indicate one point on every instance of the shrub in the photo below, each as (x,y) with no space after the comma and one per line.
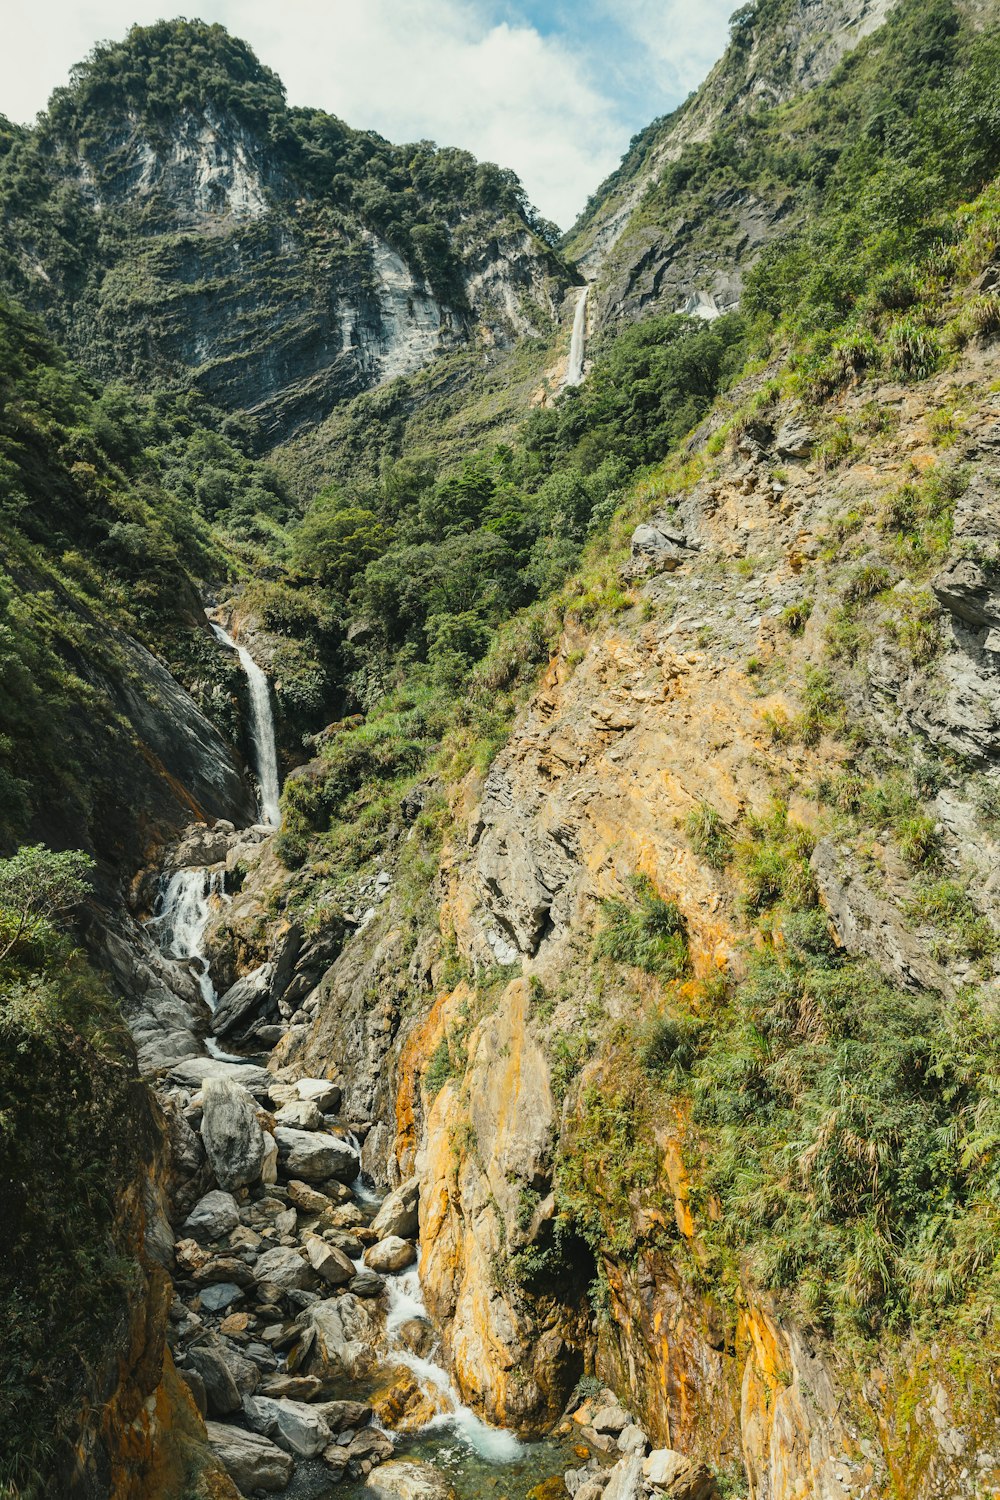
(866,582)
(671,1046)
(913,350)
(708,835)
(919,840)
(650,935)
(795,616)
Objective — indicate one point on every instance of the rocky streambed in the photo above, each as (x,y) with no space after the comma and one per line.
(297,1319)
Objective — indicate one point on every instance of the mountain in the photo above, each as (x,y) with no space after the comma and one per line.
(632,927)
(179,226)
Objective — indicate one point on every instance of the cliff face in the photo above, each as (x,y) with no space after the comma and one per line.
(486,1084)
(272,259)
(644,243)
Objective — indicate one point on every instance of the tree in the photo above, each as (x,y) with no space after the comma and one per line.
(36,885)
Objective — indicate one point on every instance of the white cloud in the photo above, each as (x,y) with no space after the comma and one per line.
(446,70)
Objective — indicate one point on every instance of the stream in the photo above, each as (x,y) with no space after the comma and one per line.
(475,1459)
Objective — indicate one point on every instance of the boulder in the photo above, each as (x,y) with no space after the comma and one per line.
(591,1489)
(344,1416)
(300,1114)
(297,1428)
(610,1420)
(252,1461)
(193,1073)
(390,1254)
(678,1477)
(213,1216)
(346,1334)
(406,1479)
(223,1268)
(332,1264)
(241,999)
(657,549)
(285,1268)
(320,1091)
(231,1132)
(632,1439)
(200,846)
(366,1284)
(398,1213)
(222,1394)
(315,1156)
(308,1199)
(625,1481)
(217,1298)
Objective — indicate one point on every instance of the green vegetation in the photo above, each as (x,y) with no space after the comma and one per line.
(649,935)
(66,1089)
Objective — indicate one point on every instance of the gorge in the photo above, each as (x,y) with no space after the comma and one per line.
(499,790)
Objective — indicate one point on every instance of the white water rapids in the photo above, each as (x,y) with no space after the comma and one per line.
(183,908)
(406,1301)
(578,343)
(261,729)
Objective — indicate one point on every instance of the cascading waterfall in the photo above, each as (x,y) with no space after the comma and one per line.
(265,747)
(179,920)
(578,343)
(406,1301)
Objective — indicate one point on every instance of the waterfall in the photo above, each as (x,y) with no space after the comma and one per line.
(406,1301)
(261,729)
(578,343)
(179,920)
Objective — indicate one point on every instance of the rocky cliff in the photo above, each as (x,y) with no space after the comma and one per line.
(177,225)
(676,226)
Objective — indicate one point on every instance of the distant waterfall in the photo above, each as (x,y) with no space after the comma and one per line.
(578,343)
(265,748)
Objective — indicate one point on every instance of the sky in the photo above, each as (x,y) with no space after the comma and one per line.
(553,88)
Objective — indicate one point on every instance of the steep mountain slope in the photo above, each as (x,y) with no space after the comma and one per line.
(178,225)
(635,900)
(753,154)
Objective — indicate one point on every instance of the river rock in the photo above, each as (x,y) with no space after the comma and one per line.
(346,1335)
(193,1072)
(218,1297)
(285,1268)
(300,1114)
(221,1391)
(625,1480)
(315,1156)
(398,1214)
(679,1477)
(345,1416)
(366,1284)
(632,1439)
(213,1216)
(223,1268)
(200,846)
(231,1131)
(406,1479)
(591,1489)
(298,1428)
(252,1462)
(321,1092)
(610,1420)
(332,1264)
(390,1254)
(307,1198)
(241,998)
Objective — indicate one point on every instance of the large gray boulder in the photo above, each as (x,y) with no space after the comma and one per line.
(390,1254)
(286,1268)
(251,1460)
(625,1481)
(194,1072)
(299,1114)
(677,1477)
(298,1428)
(241,998)
(321,1092)
(347,1332)
(221,1391)
(315,1156)
(332,1264)
(215,1215)
(231,1131)
(398,1214)
(407,1479)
